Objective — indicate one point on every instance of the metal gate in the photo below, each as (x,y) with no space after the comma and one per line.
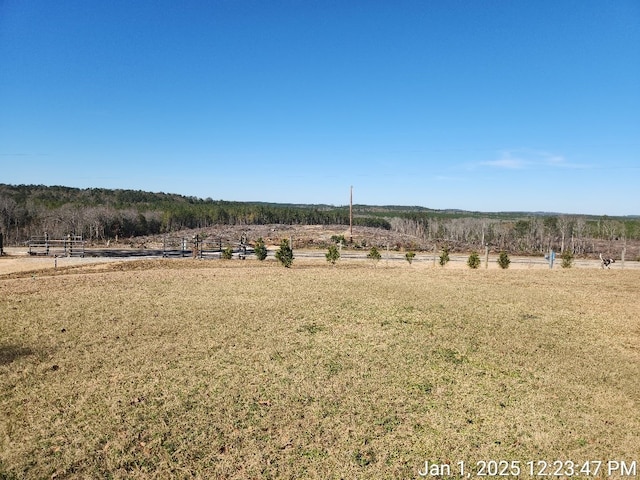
(70,246)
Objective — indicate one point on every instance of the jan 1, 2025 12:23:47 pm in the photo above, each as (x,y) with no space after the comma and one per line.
(532,468)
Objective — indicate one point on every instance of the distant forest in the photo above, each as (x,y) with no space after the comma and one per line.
(102,214)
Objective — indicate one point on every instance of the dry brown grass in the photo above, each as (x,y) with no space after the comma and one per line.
(187,369)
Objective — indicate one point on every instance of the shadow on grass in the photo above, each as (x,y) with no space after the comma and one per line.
(9,353)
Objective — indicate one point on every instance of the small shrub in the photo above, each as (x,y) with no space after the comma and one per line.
(285,254)
(227,253)
(410,256)
(503,260)
(374,254)
(333,254)
(567,259)
(260,249)
(444,256)
(474,260)
(338,239)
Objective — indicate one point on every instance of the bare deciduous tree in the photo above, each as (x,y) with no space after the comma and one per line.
(7,214)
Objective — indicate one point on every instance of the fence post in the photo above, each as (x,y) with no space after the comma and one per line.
(486,256)
(242,254)
(196,245)
(624,250)
(435,250)
(1,246)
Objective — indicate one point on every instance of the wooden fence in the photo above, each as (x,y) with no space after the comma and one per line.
(70,246)
(202,247)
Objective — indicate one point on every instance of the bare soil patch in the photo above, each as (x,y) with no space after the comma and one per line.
(18,260)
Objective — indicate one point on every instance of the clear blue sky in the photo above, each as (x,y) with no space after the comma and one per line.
(477,105)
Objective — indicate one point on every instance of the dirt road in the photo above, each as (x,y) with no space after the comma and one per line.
(19,260)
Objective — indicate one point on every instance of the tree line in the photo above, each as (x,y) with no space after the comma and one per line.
(102,214)
(530,234)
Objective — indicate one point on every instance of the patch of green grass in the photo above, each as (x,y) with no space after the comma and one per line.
(311,328)
(450,355)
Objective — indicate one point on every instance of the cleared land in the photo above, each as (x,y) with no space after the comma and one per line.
(196,369)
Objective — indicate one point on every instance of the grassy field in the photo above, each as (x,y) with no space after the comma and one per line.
(188,369)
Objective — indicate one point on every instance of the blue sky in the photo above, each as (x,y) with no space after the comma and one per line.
(477,105)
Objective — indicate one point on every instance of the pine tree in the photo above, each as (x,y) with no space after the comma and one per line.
(374,255)
(444,256)
(333,254)
(410,256)
(285,253)
(474,260)
(503,260)
(227,253)
(260,249)
(567,259)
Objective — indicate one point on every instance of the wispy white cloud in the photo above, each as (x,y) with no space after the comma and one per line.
(526,159)
(507,161)
(555,160)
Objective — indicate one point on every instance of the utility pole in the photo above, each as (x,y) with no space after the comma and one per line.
(351,216)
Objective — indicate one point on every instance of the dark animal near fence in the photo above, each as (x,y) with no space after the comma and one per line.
(606,262)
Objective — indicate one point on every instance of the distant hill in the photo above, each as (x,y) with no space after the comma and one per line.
(57,195)
(99,213)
